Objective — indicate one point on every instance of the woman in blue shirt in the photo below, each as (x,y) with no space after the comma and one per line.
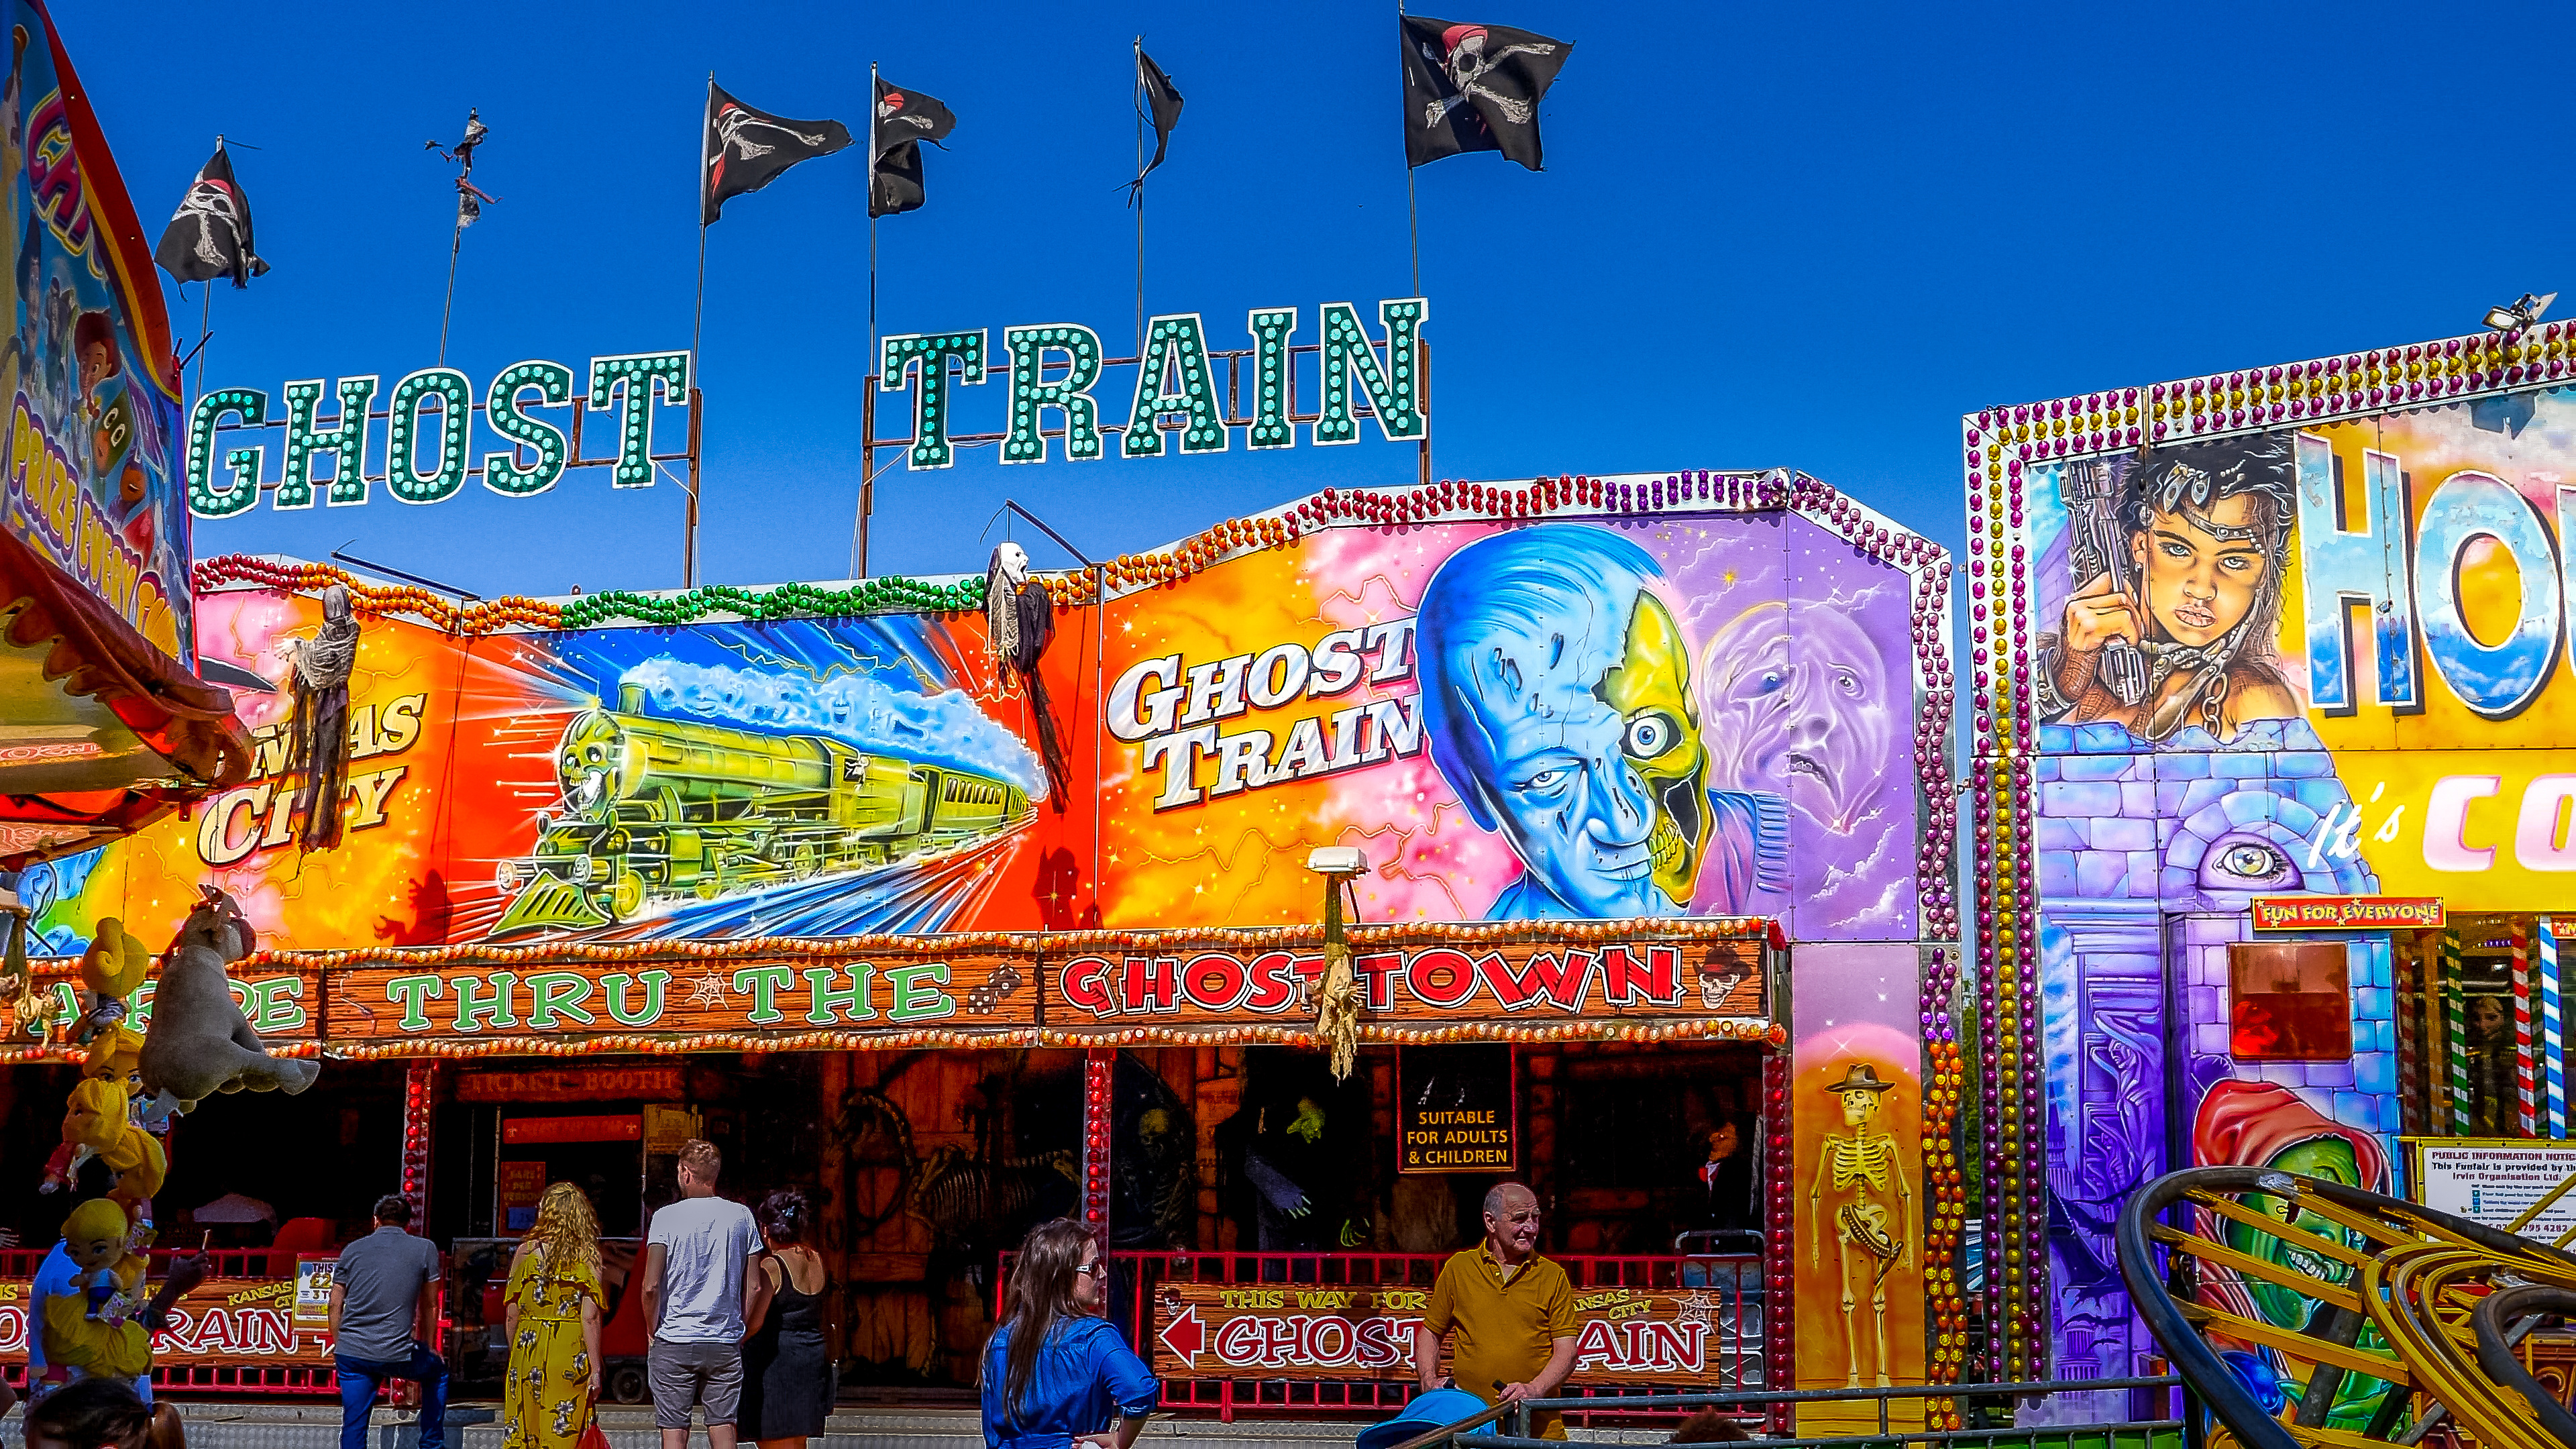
(1056,1373)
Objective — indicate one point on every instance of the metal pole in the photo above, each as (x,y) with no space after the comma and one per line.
(1140,197)
(205,330)
(868,394)
(867,474)
(1412,221)
(448,307)
(689,537)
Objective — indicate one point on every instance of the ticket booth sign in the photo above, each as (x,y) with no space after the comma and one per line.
(1283,1331)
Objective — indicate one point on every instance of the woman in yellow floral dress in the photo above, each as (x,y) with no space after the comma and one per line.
(552,1320)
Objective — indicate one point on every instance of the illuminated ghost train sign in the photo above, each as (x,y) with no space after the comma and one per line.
(427,421)
(1200,397)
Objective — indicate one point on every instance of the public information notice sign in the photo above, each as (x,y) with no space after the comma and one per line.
(1281,1331)
(2495,1181)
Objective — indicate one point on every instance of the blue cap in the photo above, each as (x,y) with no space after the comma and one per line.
(1426,1413)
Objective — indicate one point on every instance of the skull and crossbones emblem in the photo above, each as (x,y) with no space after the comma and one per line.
(734,121)
(1467,64)
(890,108)
(213,204)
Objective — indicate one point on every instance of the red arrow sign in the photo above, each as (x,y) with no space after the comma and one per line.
(1185,1335)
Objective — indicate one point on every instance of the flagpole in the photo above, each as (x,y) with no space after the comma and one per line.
(868,372)
(697,368)
(1140,200)
(1412,219)
(448,308)
(205,330)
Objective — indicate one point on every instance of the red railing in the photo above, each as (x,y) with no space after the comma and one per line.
(1737,1355)
(234,1371)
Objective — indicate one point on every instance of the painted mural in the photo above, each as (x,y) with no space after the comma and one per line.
(1553,721)
(1515,722)
(2326,658)
(86,372)
(1857,1188)
(807,777)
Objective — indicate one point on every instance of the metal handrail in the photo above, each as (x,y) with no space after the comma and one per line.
(1885,1432)
(2148,1428)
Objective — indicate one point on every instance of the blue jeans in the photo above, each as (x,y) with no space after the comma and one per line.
(361,1377)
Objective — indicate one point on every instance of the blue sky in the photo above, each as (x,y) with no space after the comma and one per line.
(1807,235)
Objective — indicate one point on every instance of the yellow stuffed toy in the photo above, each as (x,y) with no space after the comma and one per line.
(98,1123)
(115,962)
(94,1326)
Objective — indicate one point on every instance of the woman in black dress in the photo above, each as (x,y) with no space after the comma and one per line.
(787,1373)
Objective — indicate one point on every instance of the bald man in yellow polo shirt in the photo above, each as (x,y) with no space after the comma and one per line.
(1512,1310)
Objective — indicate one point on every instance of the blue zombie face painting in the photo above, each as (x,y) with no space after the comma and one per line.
(1516,634)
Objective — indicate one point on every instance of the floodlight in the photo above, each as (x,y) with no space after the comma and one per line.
(1337,860)
(2520,312)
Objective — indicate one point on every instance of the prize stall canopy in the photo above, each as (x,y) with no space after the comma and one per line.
(966,902)
(103,723)
(2272,777)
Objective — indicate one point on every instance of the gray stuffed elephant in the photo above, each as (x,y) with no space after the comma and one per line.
(198,1042)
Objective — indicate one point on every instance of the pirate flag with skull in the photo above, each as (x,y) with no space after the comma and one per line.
(1475,88)
(903,120)
(746,149)
(209,235)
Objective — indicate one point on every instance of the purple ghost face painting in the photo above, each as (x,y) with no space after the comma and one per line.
(1796,699)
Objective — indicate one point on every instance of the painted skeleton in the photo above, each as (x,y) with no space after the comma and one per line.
(1861,1187)
(1467,65)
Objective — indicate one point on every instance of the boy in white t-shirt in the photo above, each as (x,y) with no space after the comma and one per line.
(698,1293)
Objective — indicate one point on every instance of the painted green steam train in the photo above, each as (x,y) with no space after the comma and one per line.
(656,809)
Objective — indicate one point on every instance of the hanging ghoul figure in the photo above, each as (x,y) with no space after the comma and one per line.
(318,740)
(1020,620)
(2181,565)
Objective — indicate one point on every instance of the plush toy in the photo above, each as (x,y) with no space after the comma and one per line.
(87,1313)
(199,1043)
(111,968)
(99,1123)
(34,1011)
(107,1340)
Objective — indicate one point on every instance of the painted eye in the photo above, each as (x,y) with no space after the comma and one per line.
(1848,682)
(1650,735)
(1772,682)
(2249,860)
(2237,863)
(1547,779)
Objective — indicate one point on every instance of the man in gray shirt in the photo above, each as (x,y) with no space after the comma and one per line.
(384,1308)
(697,1295)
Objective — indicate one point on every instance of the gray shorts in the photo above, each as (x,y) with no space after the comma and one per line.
(688,1374)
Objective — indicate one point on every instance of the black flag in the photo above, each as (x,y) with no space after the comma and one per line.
(747,149)
(904,119)
(1162,107)
(209,235)
(1474,88)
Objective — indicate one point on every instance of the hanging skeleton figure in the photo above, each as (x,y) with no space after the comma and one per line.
(1020,619)
(318,740)
(1858,1173)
